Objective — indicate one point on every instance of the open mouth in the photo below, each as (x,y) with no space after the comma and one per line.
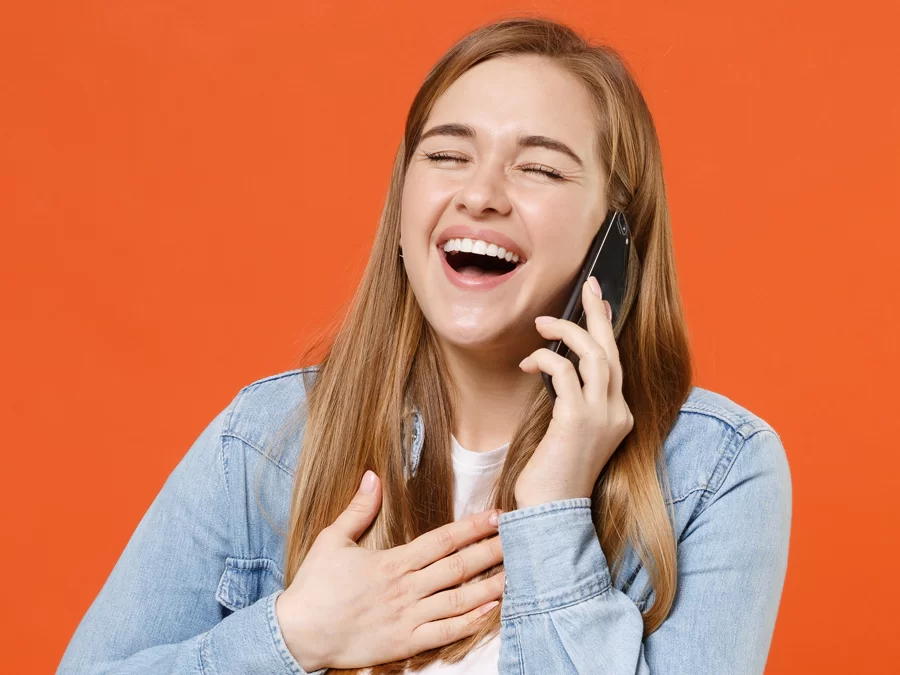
(478,265)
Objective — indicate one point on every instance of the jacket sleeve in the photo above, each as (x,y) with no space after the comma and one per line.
(157,611)
(561,614)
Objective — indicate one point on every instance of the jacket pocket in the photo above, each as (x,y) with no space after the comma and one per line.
(246,580)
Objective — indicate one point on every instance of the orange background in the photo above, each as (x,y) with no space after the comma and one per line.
(189,191)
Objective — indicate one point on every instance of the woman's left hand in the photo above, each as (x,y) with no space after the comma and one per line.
(588,423)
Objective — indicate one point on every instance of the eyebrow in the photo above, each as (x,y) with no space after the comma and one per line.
(465,131)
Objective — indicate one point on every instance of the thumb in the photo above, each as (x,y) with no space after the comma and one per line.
(361,511)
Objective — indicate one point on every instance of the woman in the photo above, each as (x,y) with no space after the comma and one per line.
(643,522)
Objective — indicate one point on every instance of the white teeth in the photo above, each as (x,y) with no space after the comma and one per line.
(468,245)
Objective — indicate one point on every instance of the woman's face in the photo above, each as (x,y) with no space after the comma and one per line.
(493,185)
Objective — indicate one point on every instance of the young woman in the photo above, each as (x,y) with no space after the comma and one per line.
(643,521)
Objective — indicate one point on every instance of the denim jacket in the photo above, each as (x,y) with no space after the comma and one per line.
(194,590)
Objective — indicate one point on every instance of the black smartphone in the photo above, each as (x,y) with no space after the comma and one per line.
(607,260)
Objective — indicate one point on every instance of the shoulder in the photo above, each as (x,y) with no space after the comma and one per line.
(711,435)
(267,406)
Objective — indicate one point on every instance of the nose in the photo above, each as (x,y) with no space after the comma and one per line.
(484,189)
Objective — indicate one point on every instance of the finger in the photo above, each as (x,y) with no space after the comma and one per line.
(456,601)
(442,541)
(600,328)
(457,568)
(360,513)
(591,356)
(439,633)
(561,370)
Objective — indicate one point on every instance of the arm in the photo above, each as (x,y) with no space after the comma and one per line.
(157,611)
(561,614)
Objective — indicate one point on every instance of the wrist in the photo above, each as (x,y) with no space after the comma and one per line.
(527,500)
(299,635)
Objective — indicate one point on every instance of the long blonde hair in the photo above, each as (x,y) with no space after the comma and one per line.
(384,357)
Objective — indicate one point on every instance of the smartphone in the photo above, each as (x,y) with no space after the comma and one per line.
(607,260)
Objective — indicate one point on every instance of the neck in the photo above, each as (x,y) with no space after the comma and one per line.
(490,394)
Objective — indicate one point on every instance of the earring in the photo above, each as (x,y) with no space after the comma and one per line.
(400,251)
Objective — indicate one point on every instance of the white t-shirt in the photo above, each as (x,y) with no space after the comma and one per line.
(473,474)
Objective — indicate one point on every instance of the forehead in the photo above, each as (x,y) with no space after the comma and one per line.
(507,96)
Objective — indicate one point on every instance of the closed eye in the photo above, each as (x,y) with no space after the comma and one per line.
(550,173)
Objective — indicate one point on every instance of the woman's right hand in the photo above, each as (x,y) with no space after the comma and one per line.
(351,607)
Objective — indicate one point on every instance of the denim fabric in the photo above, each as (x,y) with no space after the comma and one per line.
(194,589)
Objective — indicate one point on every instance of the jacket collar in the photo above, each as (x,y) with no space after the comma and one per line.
(411,456)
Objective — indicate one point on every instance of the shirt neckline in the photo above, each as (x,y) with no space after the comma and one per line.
(479,461)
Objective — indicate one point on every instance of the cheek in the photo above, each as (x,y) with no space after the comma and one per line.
(561,245)
(560,250)
(550,213)
(421,205)
(563,227)
(408,201)
(411,217)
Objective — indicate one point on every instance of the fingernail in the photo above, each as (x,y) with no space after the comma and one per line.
(545,319)
(494,519)
(488,607)
(595,286)
(608,311)
(368,482)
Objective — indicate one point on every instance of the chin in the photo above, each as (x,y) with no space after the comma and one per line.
(470,336)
